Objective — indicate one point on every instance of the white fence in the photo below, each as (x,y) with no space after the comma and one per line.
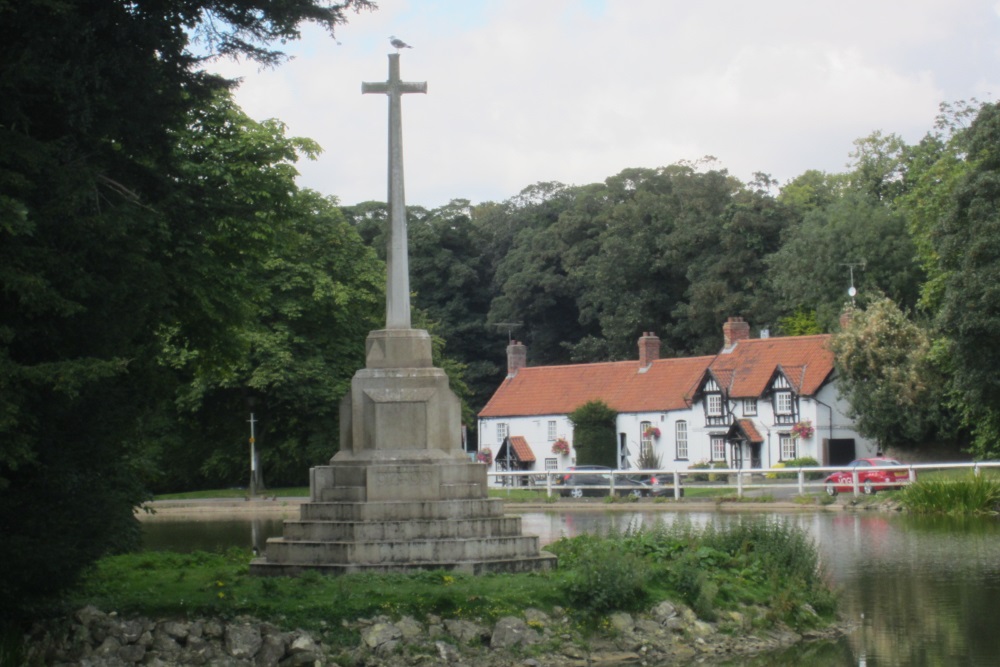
(789,481)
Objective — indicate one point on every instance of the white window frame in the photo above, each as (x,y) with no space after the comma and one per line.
(681,439)
(503,431)
(788,447)
(783,403)
(749,407)
(552,463)
(645,441)
(713,405)
(552,430)
(718,448)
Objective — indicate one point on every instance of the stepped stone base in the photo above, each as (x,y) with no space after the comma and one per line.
(342,531)
(401,495)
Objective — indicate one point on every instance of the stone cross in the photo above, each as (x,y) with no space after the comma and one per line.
(397,297)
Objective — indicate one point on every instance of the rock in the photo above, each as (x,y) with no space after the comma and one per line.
(213,629)
(410,627)
(132,653)
(511,631)
(303,643)
(536,618)
(621,622)
(646,626)
(574,652)
(380,634)
(176,629)
(109,646)
(609,659)
(89,616)
(701,629)
(272,650)
(664,611)
(466,632)
(303,660)
(131,631)
(447,652)
(165,645)
(242,640)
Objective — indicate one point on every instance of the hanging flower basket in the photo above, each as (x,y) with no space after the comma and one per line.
(804,430)
(485,455)
(560,446)
(652,432)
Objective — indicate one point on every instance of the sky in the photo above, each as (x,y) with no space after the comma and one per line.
(574,91)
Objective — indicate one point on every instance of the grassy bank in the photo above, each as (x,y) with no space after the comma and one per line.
(765,570)
(968,494)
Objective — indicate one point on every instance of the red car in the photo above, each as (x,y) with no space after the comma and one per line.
(869,481)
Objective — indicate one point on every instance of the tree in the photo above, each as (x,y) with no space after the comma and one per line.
(105,245)
(594,436)
(888,369)
(811,269)
(968,244)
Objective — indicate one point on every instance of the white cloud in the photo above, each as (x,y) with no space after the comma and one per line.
(522,91)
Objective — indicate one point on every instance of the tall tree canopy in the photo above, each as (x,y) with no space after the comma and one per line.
(112,235)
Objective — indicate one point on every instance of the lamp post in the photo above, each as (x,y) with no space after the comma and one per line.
(252,486)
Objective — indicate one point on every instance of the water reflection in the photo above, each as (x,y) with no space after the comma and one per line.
(922,590)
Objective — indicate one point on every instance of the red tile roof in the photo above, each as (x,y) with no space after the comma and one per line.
(521,449)
(748,428)
(744,371)
(747,368)
(666,384)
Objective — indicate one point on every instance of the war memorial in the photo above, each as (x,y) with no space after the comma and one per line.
(401,494)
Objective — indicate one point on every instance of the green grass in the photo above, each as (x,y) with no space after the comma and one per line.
(291,492)
(736,567)
(968,494)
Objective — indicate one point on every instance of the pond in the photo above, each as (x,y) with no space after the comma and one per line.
(922,591)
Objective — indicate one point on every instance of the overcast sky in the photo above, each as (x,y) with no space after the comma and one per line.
(522,91)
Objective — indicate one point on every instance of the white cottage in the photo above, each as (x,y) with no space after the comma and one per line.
(757,403)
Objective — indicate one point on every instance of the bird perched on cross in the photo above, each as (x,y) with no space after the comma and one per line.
(398,44)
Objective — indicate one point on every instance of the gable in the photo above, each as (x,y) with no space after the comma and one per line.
(804,362)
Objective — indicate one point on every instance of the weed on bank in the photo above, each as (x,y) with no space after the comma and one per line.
(766,566)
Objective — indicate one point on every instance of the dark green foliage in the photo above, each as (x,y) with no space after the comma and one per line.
(594,436)
(603,577)
(113,234)
(969,248)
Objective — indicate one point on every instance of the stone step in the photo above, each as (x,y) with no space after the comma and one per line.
(372,531)
(280,550)
(479,508)
(535,563)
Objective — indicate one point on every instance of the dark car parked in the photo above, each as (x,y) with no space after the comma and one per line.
(596,481)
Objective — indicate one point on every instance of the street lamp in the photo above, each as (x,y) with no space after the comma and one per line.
(251,401)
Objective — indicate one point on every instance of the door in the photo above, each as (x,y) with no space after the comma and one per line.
(755,455)
(840,451)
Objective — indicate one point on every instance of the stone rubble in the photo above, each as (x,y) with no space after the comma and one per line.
(666,634)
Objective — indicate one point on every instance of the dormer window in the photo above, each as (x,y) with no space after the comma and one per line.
(783,402)
(713,404)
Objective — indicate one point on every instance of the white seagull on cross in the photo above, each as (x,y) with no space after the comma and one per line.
(398,44)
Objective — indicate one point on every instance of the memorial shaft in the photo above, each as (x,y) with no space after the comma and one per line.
(397,293)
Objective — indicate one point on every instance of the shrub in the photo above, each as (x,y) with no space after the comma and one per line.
(699,477)
(804,462)
(605,577)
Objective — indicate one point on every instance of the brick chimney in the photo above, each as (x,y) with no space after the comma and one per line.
(517,357)
(649,349)
(845,319)
(733,330)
